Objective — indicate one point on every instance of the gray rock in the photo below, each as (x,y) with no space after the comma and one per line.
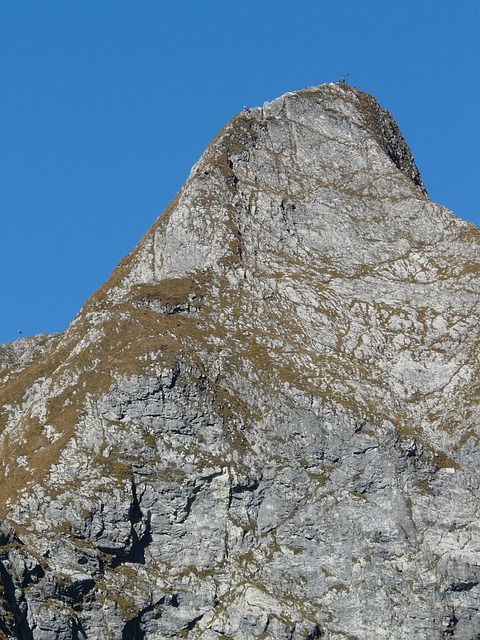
(265,424)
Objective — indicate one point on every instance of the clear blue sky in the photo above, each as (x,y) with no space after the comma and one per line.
(106,104)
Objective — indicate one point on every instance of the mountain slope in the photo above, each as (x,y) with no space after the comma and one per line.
(265,423)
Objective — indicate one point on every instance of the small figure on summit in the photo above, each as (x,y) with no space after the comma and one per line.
(344,79)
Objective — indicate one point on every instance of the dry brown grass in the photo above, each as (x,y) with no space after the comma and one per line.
(121,348)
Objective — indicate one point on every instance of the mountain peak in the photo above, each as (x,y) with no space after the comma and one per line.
(306,149)
(363,111)
(264,424)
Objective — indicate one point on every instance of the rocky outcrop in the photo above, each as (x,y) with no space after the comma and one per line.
(265,423)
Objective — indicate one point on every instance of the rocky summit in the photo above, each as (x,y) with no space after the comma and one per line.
(265,423)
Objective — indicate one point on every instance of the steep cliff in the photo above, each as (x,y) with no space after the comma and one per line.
(265,423)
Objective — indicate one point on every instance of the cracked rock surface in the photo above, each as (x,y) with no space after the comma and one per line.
(265,423)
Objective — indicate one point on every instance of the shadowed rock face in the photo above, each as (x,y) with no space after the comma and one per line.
(265,424)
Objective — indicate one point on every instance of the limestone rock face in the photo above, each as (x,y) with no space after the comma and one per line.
(265,424)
